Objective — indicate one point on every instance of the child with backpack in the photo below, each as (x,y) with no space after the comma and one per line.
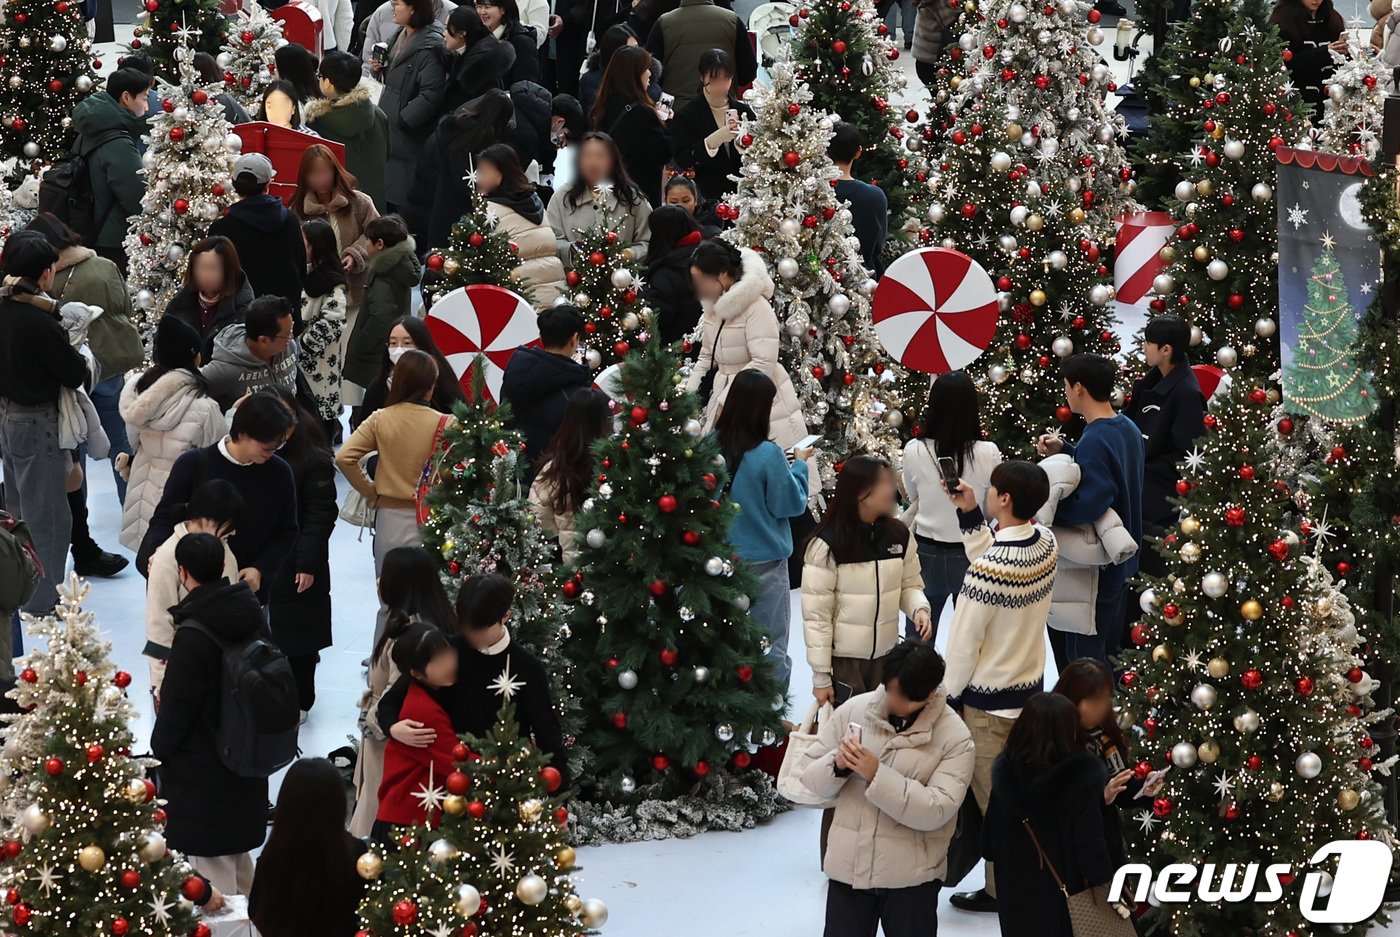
(214,508)
(427,657)
(217,812)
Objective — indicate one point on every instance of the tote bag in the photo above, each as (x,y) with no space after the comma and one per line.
(803,748)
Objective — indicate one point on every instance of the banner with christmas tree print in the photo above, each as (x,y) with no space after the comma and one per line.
(1329,270)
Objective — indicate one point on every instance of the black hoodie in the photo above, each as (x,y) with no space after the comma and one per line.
(537,385)
(213,812)
(270,248)
(483,65)
(1064,804)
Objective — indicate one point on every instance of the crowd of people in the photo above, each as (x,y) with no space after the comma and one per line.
(226,448)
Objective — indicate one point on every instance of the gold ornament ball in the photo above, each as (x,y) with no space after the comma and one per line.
(1218,132)
(1167,254)
(970,7)
(1162,654)
(1076,215)
(1275,793)
(1208,751)
(448,546)
(1190,552)
(91,858)
(1251,610)
(530,810)
(1014,131)
(1204,188)
(954,82)
(454,804)
(1218,667)
(1035,222)
(369,865)
(1190,526)
(565,857)
(1348,799)
(574,903)
(450,267)
(593,914)
(1038,298)
(135,791)
(1322,608)
(1195,82)
(1201,253)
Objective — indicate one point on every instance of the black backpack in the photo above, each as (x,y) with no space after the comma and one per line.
(66,189)
(258,706)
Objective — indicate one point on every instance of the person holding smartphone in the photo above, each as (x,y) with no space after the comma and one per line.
(948,449)
(704,130)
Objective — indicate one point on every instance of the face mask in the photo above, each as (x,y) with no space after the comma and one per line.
(396,353)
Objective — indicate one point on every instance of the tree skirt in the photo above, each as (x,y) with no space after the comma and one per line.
(723,802)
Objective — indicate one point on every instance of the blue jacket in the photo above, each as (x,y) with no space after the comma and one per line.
(768,492)
(1110,459)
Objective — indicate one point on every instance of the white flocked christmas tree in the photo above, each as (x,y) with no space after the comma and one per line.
(1350,123)
(187,187)
(248,56)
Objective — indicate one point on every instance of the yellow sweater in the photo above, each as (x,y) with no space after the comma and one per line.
(403,436)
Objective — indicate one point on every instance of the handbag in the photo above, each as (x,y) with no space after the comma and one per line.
(431,469)
(803,748)
(357,511)
(1090,914)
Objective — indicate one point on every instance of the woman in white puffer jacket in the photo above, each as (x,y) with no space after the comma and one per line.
(167,412)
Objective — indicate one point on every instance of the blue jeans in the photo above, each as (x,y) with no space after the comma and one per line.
(772,611)
(942,569)
(105,398)
(1108,620)
(35,469)
(905,9)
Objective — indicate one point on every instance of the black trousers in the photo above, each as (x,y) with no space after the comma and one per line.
(304,671)
(900,912)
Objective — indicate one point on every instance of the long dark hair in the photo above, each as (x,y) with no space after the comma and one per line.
(613,38)
(1046,732)
(841,524)
(1084,679)
(307,437)
(670,225)
(228,254)
(748,408)
(1291,17)
(624,188)
(480,122)
(714,258)
(291,91)
(307,868)
(568,460)
(622,80)
(298,65)
(447,393)
(411,589)
(507,163)
(952,419)
(324,255)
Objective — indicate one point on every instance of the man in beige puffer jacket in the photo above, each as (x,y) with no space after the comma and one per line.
(898,782)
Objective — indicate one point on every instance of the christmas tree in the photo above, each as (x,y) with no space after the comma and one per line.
(1351,115)
(477,252)
(1322,380)
(83,852)
(1222,273)
(841,53)
(500,863)
(669,666)
(187,187)
(480,521)
(1252,684)
(46,68)
(607,286)
(168,25)
(785,209)
(248,56)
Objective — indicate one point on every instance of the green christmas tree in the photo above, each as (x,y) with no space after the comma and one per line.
(166,25)
(669,666)
(500,863)
(82,849)
(478,251)
(842,53)
(46,68)
(606,284)
(1222,261)
(480,521)
(1246,675)
(248,56)
(1322,380)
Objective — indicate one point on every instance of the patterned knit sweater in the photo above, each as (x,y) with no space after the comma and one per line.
(996,650)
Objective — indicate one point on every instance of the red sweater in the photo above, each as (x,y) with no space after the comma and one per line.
(406,768)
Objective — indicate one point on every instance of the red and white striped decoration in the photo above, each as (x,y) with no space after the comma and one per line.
(1141,235)
(486,322)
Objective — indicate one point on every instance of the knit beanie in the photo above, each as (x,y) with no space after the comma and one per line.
(176,343)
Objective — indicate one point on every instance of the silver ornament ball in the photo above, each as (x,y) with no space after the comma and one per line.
(1308,765)
(531,890)
(596,538)
(1184,755)
(468,900)
(1214,584)
(714,566)
(1203,696)
(627,679)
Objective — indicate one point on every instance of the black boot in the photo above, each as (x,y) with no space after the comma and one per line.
(977,900)
(89,559)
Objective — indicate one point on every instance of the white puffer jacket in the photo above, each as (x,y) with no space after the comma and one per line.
(168,419)
(851,601)
(893,830)
(740,331)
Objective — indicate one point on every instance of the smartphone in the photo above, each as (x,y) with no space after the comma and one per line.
(731,115)
(949,471)
(854,731)
(1149,783)
(806,442)
(844,691)
(379,53)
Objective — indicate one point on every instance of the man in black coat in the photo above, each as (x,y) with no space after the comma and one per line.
(1169,409)
(539,381)
(216,817)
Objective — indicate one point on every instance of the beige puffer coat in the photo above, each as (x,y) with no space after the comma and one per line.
(740,331)
(851,599)
(540,267)
(163,422)
(559,524)
(893,831)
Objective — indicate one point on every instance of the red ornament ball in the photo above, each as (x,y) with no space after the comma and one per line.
(1139,635)
(28,675)
(1285,427)
(1247,472)
(1254,762)
(435,262)
(794,109)
(177,134)
(572,278)
(639,415)
(570,589)
(690,538)
(1304,685)
(1235,517)
(476,810)
(619,720)
(1063,413)
(1252,679)
(94,753)
(597,258)
(792,159)
(745,673)
(1023,341)
(180,206)
(660,762)
(1232,812)
(668,656)
(561,816)
(839,47)
(405,912)
(1355,674)
(21,914)
(457,783)
(667,504)
(131,879)
(460,752)
(551,777)
(201,930)
(13,847)
(1162,806)
(53,767)
(742,759)
(702,768)
(193,888)
(1343,567)
(121,926)
(1171,610)
(657,587)
(1278,549)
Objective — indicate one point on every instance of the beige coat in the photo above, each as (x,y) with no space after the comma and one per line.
(852,609)
(560,525)
(369,765)
(540,267)
(740,331)
(893,832)
(163,590)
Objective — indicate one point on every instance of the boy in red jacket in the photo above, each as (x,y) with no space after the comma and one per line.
(411,790)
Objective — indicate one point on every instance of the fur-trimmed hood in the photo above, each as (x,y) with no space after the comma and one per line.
(358,96)
(754,284)
(164,405)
